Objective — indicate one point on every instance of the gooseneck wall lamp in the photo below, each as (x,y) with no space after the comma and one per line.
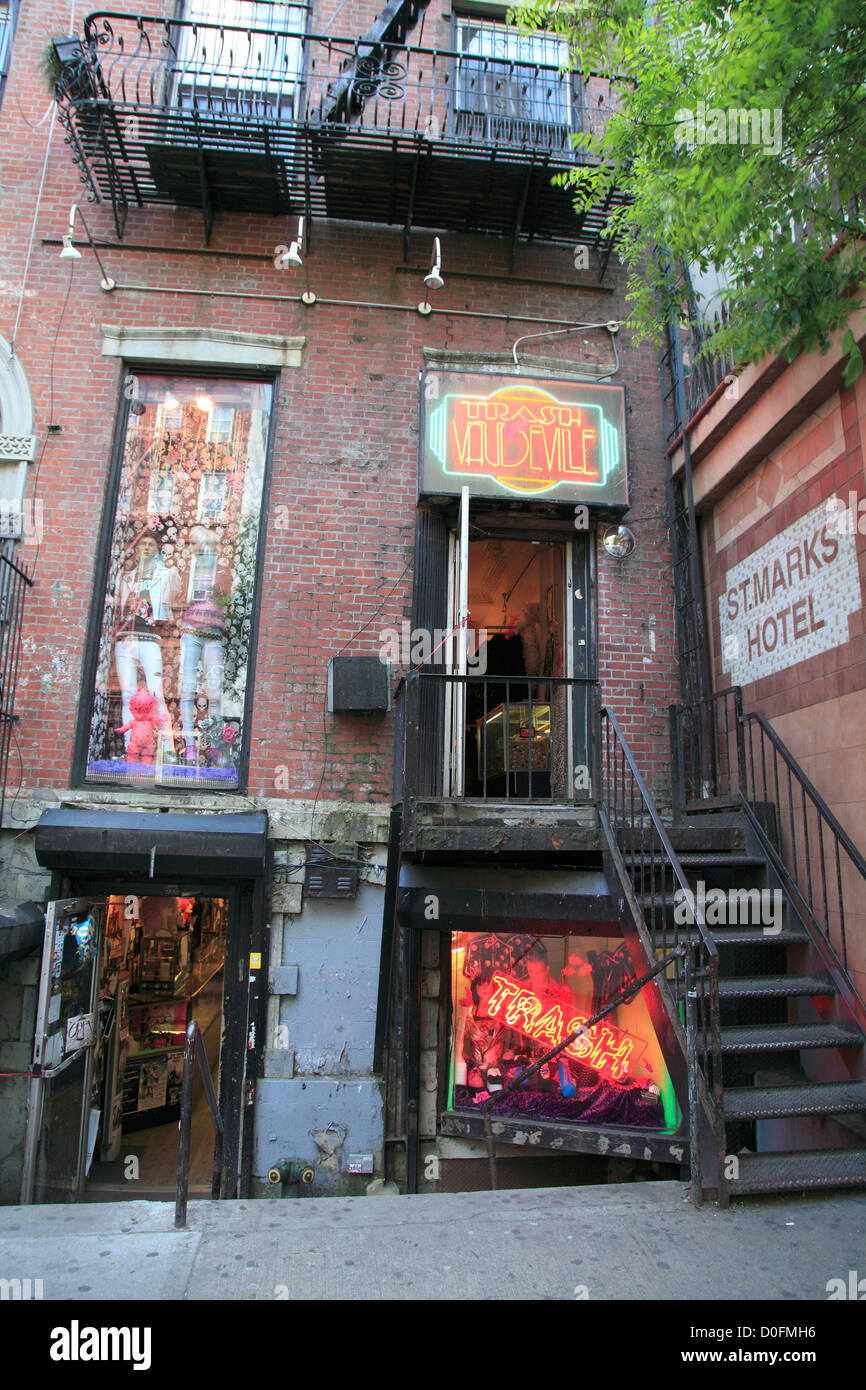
(291,257)
(433,279)
(71,253)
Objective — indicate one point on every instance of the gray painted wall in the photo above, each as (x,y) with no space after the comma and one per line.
(319,1100)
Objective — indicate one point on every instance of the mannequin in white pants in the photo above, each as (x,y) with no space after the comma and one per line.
(146,599)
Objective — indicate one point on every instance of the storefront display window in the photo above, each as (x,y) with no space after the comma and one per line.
(169,698)
(515,996)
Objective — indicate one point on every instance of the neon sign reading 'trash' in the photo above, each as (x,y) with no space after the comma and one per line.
(546,1020)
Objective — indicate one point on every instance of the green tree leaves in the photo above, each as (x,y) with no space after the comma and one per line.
(739,135)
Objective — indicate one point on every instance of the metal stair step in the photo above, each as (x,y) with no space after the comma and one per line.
(739,936)
(793,1171)
(803,1098)
(670,899)
(781,1037)
(760,986)
(734,860)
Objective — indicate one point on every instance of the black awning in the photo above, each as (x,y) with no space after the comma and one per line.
(22,927)
(469,899)
(153,844)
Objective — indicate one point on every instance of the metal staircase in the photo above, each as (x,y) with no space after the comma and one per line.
(792,1035)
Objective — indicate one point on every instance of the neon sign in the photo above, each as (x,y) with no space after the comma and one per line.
(524,438)
(547,1020)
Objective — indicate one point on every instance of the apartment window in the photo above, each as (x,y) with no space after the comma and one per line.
(8,16)
(510,88)
(170,687)
(241,57)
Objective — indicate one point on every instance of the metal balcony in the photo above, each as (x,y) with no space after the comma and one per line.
(226,118)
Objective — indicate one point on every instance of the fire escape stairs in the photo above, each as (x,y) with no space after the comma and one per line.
(778,1012)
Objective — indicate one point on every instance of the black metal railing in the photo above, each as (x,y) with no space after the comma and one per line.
(740,757)
(644,854)
(194,1052)
(484,738)
(249,73)
(15,580)
(706,366)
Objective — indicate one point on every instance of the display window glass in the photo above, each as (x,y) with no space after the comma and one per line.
(171,670)
(516,995)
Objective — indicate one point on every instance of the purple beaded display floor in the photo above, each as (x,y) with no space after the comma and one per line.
(116,770)
(603,1104)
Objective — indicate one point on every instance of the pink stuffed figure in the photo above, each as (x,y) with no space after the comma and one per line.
(142,706)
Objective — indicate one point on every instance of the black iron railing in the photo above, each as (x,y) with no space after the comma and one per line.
(15,580)
(194,1052)
(285,74)
(493,738)
(719,751)
(644,854)
(222,115)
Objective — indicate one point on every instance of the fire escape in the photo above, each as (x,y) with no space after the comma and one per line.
(380,128)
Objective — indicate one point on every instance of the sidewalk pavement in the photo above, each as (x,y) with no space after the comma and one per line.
(626,1241)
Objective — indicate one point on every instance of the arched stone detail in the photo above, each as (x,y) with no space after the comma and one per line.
(16,402)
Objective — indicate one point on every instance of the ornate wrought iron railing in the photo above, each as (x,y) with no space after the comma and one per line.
(644,854)
(240,73)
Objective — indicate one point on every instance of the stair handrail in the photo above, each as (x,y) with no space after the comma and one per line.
(194,1051)
(841,839)
(698,980)
(750,782)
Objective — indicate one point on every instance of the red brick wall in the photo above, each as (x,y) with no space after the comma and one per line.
(345,457)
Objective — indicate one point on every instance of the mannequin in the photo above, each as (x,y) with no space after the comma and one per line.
(146,598)
(203,629)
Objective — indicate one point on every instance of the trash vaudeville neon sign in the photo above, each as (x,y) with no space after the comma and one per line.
(545,1020)
(524,437)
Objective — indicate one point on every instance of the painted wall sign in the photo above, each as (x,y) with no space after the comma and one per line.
(510,436)
(790,599)
(547,1020)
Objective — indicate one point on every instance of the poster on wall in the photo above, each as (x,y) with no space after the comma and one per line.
(523,438)
(516,996)
(169,696)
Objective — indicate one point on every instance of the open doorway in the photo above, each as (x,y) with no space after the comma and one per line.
(517,731)
(123,977)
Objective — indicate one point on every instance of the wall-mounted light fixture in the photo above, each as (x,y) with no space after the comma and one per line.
(292,258)
(433,279)
(618,541)
(71,253)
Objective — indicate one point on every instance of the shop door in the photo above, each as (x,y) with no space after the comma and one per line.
(61,1123)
